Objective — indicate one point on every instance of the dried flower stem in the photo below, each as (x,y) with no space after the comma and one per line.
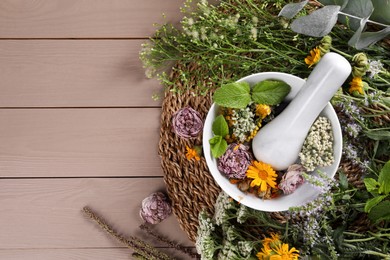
(142,249)
(145,227)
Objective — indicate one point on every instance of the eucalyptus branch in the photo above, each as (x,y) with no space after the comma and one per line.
(360,18)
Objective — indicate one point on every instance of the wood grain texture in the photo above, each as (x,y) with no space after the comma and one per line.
(66,73)
(66,254)
(79,142)
(46,213)
(84,19)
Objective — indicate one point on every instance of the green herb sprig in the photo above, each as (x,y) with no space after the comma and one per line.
(239,94)
(220,129)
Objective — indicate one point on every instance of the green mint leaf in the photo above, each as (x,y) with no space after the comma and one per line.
(343,180)
(233,95)
(371,184)
(216,139)
(270,92)
(220,126)
(380,212)
(373,202)
(218,148)
(384,179)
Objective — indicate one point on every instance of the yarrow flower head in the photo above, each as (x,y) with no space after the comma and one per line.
(374,67)
(314,57)
(155,208)
(187,123)
(235,161)
(291,179)
(262,174)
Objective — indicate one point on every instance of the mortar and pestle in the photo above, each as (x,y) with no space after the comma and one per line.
(279,142)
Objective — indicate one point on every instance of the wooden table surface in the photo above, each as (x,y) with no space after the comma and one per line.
(78,125)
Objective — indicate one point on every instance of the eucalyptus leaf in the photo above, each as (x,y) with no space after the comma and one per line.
(359,8)
(380,212)
(220,126)
(373,202)
(381,11)
(218,148)
(317,24)
(371,184)
(384,179)
(291,10)
(378,135)
(233,95)
(270,92)
(368,38)
(341,3)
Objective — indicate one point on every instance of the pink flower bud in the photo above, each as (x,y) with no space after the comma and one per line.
(155,208)
(187,123)
(291,179)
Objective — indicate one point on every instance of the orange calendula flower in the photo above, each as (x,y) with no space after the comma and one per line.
(192,153)
(356,85)
(274,249)
(263,110)
(262,174)
(314,57)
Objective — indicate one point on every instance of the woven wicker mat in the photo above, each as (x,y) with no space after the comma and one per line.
(190,186)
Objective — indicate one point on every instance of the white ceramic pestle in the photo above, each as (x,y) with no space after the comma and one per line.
(279,142)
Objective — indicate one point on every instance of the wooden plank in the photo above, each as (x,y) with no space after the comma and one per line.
(79,254)
(46,213)
(66,73)
(66,254)
(84,19)
(79,142)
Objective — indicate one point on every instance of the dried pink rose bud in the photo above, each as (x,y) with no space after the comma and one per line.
(155,208)
(235,161)
(291,179)
(187,123)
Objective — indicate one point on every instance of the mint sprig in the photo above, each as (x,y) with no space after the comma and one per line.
(270,92)
(218,144)
(233,95)
(239,94)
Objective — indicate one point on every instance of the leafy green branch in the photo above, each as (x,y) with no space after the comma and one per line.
(355,14)
(378,208)
(239,94)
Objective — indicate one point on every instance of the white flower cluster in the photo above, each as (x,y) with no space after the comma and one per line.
(244,123)
(317,150)
(205,244)
(222,206)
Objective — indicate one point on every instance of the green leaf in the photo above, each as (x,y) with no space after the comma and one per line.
(371,184)
(373,202)
(381,11)
(378,135)
(233,95)
(343,181)
(220,126)
(317,24)
(291,10)
(270,92)
(218,148)
(380,212)
(359,8)
(214,140)
(384,179)
(341,3)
